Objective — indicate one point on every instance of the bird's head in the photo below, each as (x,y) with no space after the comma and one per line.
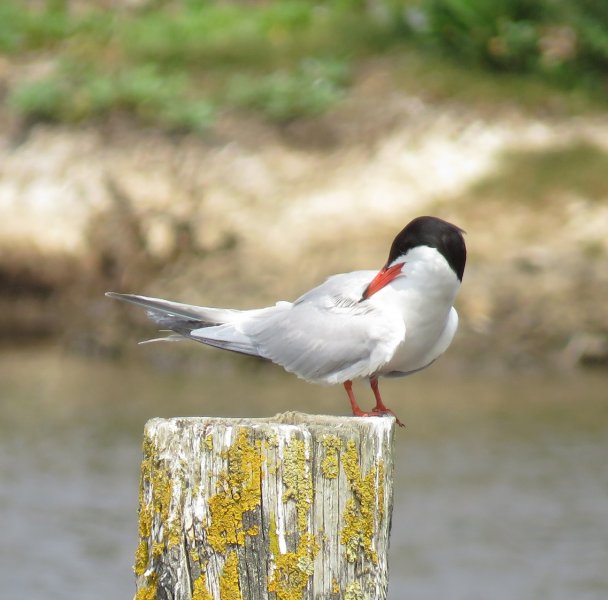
(432,232)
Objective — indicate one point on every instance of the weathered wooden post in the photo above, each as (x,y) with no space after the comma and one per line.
(292,507)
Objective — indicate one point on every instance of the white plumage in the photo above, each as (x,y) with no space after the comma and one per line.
(354,325)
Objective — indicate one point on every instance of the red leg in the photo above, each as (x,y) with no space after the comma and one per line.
(357,412)
(380,408)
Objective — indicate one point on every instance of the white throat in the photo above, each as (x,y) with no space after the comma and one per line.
(428,272)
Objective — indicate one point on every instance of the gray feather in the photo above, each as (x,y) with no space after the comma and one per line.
(210,326)
(157,306)
(327,335)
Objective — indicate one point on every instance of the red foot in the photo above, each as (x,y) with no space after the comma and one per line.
(375,412)
(380,408)
(378,411)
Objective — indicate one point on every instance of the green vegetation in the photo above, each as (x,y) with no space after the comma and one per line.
(75,92)
(560,41)
(542,176)
(306,90)
(177,63)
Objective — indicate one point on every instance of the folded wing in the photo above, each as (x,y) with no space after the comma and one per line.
(326,336)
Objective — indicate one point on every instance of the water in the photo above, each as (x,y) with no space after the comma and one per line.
(501,482)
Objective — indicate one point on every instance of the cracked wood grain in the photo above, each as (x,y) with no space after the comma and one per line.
(287,508)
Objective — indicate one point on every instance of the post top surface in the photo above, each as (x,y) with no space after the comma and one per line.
(288,419)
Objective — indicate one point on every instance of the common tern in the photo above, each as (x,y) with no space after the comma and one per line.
(363,324)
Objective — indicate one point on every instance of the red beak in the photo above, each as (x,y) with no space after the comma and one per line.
(384,277)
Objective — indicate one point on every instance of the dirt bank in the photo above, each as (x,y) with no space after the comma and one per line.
(251,212)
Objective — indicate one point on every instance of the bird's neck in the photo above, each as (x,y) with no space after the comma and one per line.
(427,272)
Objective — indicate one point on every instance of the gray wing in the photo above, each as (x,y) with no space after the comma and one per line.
(158,308)
(216,327)
(328,335)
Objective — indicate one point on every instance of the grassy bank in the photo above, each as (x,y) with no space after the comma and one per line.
(178,64)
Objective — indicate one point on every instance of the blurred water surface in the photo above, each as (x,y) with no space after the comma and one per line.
(501,482)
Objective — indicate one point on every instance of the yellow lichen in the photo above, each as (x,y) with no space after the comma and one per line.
(141,557)
(161,491)
(270,442)
(229,579)
(271,439)
(292,569)
(194,555)
(330,464)
(155,496)
(363,508)
(209,442)
(145,518)
(158,548)
(174,534)
(273,538)
(298,480)
(200,590)
(335,586)
(145,509)
(353,591)
(238,491)
(146,593)
(162,495)
(380,504)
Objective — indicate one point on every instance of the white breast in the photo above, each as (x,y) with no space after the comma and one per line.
(424,296)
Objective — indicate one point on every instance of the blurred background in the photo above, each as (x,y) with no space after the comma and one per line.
(235,153)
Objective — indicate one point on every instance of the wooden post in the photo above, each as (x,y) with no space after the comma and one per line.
(288,508)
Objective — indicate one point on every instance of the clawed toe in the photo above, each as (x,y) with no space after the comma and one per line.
(376,412)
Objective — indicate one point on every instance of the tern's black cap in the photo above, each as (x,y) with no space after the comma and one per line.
(435,233)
